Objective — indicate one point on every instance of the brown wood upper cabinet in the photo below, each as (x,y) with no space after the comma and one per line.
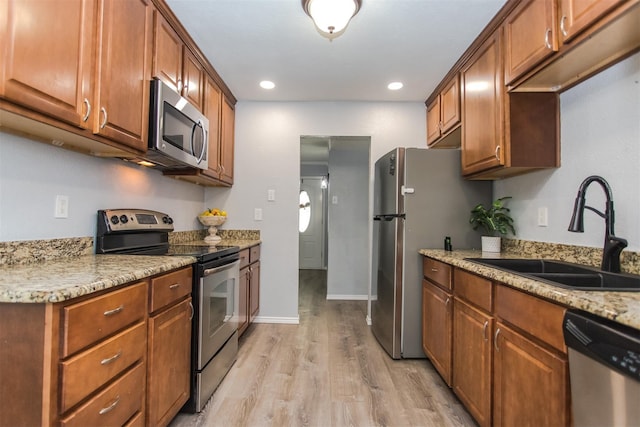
(175,64)
(227,140)
(48,60)
(443,114)
(577,15)
(530,36)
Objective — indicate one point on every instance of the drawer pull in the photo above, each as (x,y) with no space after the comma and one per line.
(114,311)
(111,359)
(435,270)
(110,407)
(174,286)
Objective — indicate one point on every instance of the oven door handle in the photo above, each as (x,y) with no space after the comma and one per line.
(221,268)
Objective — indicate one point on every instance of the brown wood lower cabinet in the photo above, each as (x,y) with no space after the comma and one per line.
(500,349)
(472,360)
(530,382)
(437,328)
(249,287)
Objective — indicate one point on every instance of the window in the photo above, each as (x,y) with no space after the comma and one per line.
(305,212)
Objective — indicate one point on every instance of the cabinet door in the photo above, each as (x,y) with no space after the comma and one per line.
(433,121)
(243,303)
(530,383)
(227,141)
(168,376)
(167,53)
(483,110)
(450,105)
(193,75)
(530,36)
(436,328)
(124,72)
(577,15)
(254,291)
(47,49)
(472,360)
(213,108)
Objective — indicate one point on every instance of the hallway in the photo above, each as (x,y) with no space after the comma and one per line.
(327,371)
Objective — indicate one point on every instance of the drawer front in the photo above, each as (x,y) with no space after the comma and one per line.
(473,289)
(89,321)
(244,257)
(84,373)
(169,288)
(540,318)
(115,405)
(437,272)
(254,254)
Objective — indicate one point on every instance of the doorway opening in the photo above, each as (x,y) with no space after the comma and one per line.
(334,200)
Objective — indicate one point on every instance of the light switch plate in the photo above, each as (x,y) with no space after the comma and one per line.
(62,207)
(271,195)
(543,217)
(257,214)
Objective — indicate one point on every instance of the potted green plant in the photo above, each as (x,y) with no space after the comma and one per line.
(496,221)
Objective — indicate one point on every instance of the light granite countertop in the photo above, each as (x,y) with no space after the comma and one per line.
(60,280)
(622,307)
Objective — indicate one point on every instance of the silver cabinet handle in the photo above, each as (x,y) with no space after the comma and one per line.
(435,270)
(193,311)
(179,85)
(174,286)
(114,311)
(110,407)
(222,169)
(547,40)
(104,118)
(495,339)
(185,89)
(111,359)
(497,153)
(87,105)
(446,303)
(484,331)
(562,28)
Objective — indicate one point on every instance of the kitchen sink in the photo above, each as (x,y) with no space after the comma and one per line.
(565,274)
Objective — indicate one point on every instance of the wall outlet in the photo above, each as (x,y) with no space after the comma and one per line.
(543,217)
(257,214)
(62,207)
(334,200)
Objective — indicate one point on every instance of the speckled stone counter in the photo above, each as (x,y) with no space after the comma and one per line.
(623,307)
(67,278)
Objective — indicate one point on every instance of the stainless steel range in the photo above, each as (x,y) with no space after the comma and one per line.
(214,341)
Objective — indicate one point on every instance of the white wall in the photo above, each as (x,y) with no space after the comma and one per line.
(348,220)
(267,156)
(600,135)
(33,173)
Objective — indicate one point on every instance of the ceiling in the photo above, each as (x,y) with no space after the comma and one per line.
(412,41)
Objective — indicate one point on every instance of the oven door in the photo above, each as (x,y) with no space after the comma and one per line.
(218,309)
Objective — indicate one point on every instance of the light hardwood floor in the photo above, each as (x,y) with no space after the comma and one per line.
(327,371)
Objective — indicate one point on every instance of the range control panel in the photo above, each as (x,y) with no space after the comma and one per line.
(117,220)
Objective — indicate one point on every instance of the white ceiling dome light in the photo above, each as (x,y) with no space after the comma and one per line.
(331,17)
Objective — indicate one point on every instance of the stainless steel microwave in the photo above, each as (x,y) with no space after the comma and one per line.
(178,131)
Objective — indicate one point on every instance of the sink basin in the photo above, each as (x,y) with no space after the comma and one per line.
(565,274)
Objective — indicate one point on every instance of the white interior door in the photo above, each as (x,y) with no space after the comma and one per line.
(311,240)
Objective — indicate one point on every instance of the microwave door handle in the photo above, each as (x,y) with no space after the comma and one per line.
(204,140)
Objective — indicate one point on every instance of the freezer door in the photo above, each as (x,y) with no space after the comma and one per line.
(386,309)
(387,183)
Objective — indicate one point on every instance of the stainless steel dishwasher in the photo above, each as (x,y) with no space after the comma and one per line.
(604,366)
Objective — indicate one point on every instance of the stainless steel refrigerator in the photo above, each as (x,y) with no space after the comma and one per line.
(419,199)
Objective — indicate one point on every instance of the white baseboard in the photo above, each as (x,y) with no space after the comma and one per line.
(285,320)
(347,297)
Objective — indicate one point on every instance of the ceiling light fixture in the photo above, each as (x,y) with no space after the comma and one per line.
(331,17)
(266,84)
(395,85)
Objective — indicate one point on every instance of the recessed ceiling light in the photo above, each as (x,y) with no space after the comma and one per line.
(266,84)
(395,85)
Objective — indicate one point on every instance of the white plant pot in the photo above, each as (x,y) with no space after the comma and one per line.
(491,244)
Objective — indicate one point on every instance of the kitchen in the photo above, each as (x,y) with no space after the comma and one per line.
(269,132)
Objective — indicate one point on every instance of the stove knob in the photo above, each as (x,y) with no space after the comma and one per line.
(170,220)
(165,220)
(114,219)
(124,219)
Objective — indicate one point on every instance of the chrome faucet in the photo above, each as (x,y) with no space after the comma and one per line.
(613,245)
